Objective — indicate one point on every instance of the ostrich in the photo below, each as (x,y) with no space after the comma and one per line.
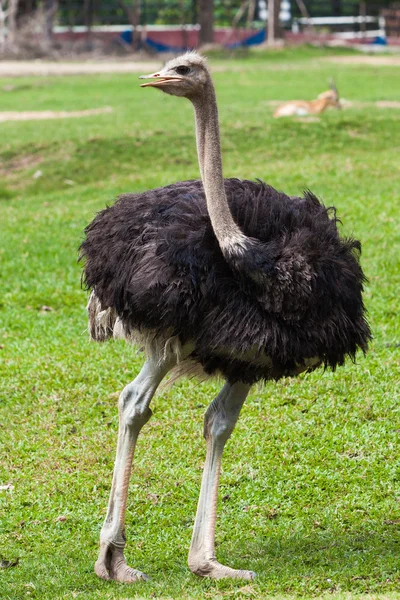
(230,276)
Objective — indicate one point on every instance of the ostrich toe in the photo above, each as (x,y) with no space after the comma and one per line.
(212,568)
(114,566)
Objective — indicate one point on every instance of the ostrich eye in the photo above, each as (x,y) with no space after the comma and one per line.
(182,70)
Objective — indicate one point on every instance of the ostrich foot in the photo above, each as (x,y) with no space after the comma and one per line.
(111,564)
(212,568)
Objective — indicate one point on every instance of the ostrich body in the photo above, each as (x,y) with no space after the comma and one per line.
(227,275)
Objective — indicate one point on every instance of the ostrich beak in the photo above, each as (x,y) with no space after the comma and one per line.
(161,79)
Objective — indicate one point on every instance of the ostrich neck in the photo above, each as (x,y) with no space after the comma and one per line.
(210,162)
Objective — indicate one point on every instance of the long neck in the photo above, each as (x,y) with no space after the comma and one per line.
(209,154)
(319,105)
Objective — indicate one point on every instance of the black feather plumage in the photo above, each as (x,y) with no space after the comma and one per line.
(153,257)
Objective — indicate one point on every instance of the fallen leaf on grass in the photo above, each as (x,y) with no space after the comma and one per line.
(153,498)
(7,564)
(392,522)
(8,486)
(246,590)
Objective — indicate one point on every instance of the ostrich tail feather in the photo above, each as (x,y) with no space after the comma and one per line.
(102,322)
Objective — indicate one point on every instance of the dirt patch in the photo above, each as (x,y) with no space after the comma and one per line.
(375,61)
(19,163)
(42,68)
(378,104)
(38,115)
(21,68)
(309,119)
(388,104)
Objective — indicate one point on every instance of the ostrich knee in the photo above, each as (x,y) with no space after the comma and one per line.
(219,424)
(133,407)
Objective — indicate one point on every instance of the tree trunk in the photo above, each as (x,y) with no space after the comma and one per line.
(88,10)
(274,31)
(3,17)
(185,40)
(12,21)
(50,7)
(206,21)
(133,13)
(363,14)
(337,8)
(251,13)
(8,21)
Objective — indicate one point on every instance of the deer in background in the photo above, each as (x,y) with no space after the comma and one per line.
(301,108)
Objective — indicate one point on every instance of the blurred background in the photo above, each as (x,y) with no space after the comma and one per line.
(32,28)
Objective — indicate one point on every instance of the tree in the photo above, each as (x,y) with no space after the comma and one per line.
(8,20)
(336,8)
(206,21)
(50,8)
(132,10)
(274,31)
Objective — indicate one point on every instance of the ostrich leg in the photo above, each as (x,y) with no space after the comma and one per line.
(219,422)
(134,412)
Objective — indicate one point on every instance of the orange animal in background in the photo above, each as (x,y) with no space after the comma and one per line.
(301,108)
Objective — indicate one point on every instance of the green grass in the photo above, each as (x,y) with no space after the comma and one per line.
(310,488)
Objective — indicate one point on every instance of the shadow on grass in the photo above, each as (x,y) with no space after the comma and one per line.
(323,561)
(293,563)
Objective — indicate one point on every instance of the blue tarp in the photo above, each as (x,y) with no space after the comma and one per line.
(253,40)
(257,38)
(159,47)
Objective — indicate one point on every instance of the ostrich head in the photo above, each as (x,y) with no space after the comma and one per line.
(186,76)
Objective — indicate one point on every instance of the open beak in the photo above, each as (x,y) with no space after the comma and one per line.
(159,79)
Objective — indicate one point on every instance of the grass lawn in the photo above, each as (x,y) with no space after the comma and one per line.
(310,488)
